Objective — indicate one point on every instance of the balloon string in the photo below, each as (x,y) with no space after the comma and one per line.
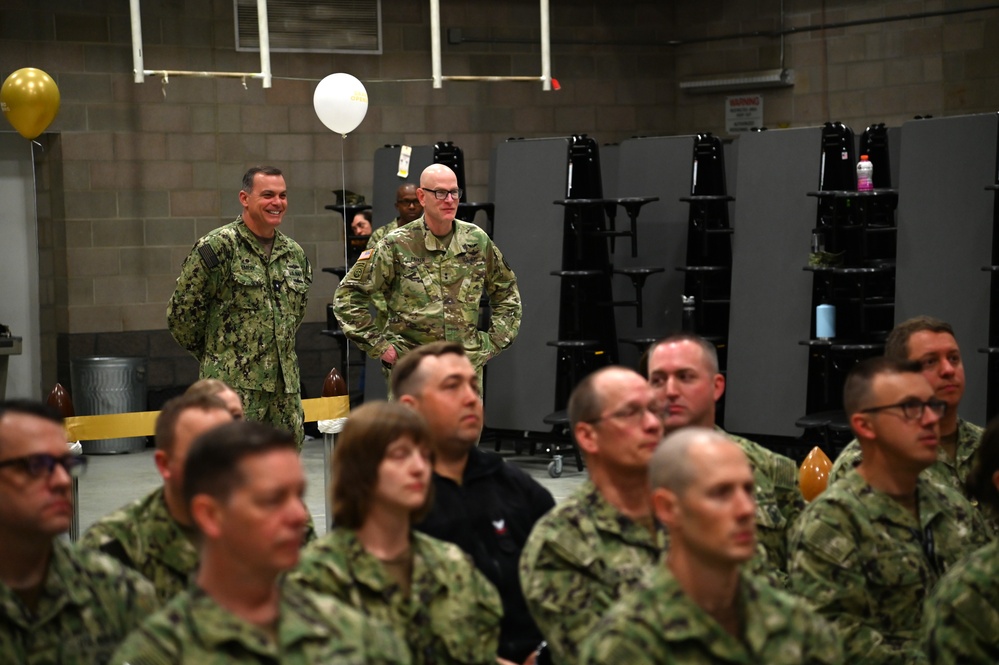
(346,224)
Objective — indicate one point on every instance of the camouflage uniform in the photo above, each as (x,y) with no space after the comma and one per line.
(961,616)
(953,473)
(778,499)
(88,605)
(311,628)
(864,562)
(144,536)
(660,624)
(579,559)
(947,472)
(377,299)
(431,293)
(238,311)
(381,232)
(452,614)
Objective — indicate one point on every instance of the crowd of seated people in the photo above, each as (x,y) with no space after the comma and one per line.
(684,544)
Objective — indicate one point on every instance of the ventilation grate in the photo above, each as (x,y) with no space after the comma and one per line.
(312,26)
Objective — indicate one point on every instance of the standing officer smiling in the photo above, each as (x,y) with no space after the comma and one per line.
(240,298)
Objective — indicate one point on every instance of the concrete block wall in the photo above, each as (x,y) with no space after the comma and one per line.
(887,71)
(133,173)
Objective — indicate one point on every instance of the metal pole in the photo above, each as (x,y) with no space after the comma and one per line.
(74,525)
(546,48)
(435,41)
(75,448)
(137,65)
(329,428)
(328,477)
(185,72)
(265,42)
(492,78)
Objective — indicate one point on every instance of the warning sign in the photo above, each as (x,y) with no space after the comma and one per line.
(742,113)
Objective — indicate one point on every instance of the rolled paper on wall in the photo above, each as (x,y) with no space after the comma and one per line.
(825,321)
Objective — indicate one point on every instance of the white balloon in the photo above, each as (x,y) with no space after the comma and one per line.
(341,102)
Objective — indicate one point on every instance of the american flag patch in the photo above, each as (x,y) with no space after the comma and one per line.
(364,255)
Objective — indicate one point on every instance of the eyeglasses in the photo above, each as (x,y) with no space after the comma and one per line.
(42,464)
(411,203)
(633,413)
(441,194)
(913,409)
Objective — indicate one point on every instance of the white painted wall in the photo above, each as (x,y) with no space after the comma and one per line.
(19,264)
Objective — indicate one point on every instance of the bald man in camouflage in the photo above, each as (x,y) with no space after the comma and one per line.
(432,273)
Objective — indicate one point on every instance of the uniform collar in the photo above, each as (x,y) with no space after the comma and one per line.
(930,504)
(680,619)
(458,240)
(281,244)
(61,588)
(172,545)
(968,438)
(611,520)
(366,569)
(480,463)
(214,626)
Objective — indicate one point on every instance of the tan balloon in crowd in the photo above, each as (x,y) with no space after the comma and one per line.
(813,477)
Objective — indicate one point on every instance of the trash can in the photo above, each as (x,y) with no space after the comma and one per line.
(107,385)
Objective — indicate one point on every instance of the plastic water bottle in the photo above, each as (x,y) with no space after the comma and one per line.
(689,308)
(865,172)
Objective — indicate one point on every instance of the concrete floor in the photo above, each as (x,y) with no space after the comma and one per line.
(111,481)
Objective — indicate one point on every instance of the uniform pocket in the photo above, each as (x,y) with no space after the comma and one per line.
(897,570)
(415,281)
(297,291)
(768,516)
(249,288)
(472,286)
(471,632)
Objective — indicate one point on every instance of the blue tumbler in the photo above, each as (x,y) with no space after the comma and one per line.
(825,321)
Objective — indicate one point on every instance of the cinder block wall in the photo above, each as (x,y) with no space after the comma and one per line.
(859,74)
(131,174)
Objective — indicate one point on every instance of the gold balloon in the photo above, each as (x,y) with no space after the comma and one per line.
(814,474)
(30,100)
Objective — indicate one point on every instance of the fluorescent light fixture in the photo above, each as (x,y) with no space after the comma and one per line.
(770,78)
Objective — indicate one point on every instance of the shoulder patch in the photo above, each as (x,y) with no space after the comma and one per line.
(366,254)
(785,472)
(208,255)
(834,545)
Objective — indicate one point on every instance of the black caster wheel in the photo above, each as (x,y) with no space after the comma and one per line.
(555,468)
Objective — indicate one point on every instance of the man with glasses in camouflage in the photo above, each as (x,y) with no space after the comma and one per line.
(867,551)
(598,544)
(931,342)
(432,273)
(56,605)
